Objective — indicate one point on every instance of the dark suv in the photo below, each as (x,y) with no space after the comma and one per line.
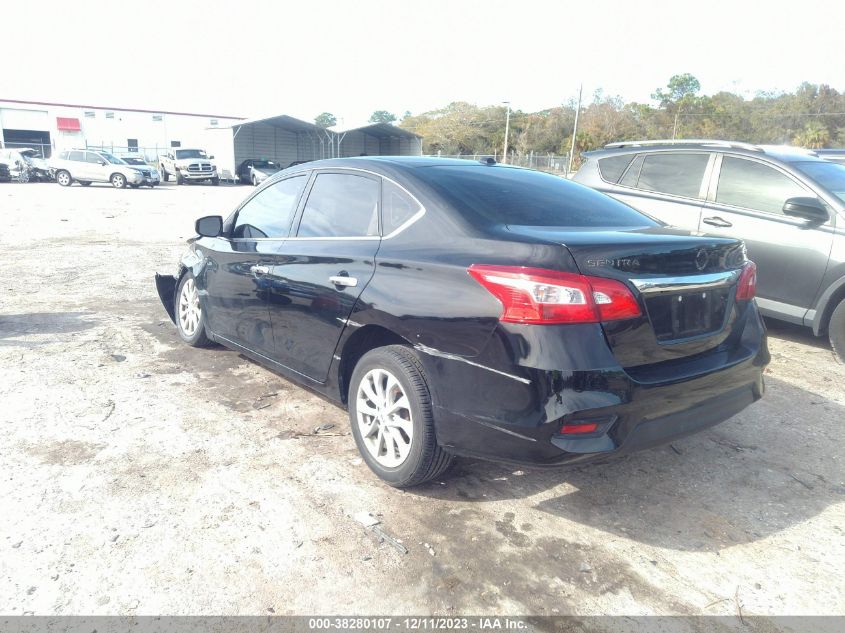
(787,204)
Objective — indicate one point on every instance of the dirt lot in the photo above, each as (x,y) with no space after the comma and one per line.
(140,476)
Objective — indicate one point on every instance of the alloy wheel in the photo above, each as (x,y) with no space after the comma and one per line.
(190,312)
(384,417)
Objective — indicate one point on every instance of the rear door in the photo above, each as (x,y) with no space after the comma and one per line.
(240,290)
(326,264)
(745,200)
(669,186)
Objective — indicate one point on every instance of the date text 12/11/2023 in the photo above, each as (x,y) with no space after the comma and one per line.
(374,624)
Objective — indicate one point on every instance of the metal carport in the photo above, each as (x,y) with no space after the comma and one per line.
(378,139)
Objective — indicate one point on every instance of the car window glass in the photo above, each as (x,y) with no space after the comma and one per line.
(633,174)
(64,155)
(78,156)
(831,176)
(270,212)
(749,184)
(91,157)
(612,167)
(398,207)
(675,174)
(341,205)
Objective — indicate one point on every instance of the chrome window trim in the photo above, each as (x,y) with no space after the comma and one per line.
(686,282)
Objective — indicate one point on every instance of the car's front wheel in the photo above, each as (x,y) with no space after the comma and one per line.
(836,331)
(118,181)
(392,419)
(164,175)
(190,318)
(63,178)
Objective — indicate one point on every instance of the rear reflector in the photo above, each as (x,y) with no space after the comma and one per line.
(536,295)
(575,429)
(746,287)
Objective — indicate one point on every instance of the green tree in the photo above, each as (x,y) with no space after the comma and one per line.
(678,88)
(382,116)
(325,120)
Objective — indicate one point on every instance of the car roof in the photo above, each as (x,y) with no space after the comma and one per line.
(783,153)
(406,163)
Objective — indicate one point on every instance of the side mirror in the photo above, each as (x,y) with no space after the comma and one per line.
(807,208)
(209,226)
(103,163)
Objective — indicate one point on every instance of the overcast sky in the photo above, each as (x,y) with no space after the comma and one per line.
(351,58)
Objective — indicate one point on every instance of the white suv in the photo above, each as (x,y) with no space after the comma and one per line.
(87,166)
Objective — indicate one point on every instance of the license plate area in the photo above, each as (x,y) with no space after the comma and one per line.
(680,316)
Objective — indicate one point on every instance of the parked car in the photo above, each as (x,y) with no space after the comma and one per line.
(475,309)
(87,166)
(787,204)
(138,161)
(256,171)
(26,164)
(188,165)
(834,155)
(5,174)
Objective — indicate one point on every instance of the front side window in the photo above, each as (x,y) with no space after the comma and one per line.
(341,205)
(753,185)
(91,157)
(269,213)
(77,156)
(675,174)
(830,176)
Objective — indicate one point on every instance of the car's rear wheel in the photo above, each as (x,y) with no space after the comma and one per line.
(190,318)
(392,419)
(63,178)
(836,331)
(118,181)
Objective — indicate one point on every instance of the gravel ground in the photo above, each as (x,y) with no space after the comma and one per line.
(141,476)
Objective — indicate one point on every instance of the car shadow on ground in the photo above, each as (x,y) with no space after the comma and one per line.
(753,476)
(796,334)
(13,326)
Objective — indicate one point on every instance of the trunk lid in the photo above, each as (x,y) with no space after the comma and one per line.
(685,285)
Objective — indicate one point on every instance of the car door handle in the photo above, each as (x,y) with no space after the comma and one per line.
(344,280)
(717,221)
(259,270)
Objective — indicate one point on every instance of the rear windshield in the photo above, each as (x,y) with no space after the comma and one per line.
(831,176)
(499,195)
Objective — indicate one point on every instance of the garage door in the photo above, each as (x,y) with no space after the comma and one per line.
(17,119)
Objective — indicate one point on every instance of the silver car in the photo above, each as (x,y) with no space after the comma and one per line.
(787,204)
(87,166)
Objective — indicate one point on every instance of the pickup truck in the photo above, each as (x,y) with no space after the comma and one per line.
(188,165)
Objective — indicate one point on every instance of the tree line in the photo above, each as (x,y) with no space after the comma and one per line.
(812,116)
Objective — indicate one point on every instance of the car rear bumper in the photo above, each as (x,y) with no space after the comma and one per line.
(515,414)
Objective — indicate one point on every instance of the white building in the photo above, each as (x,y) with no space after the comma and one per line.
(56,126)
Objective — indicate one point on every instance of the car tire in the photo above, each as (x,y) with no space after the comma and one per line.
(190,317)
(215,181)
(401,449)
(179,179)
(85,183)
(63,177)
(118,181)
(133,186)
(164,175)
(254,181)
(836,331)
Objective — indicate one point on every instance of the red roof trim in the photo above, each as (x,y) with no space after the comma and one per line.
(65,124)
(76,105)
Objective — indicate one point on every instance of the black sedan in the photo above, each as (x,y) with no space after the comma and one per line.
(256,171)
(461,308)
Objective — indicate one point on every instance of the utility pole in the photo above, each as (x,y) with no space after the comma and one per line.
(575,130)
(675,127)
(507,129)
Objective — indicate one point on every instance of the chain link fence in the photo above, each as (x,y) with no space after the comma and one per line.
(551,163)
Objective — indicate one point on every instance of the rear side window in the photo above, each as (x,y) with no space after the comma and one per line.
(675,174)
(270,212)
(397,207)
(77,156)
(749,184)
(613,167)
(341,205)
(504,195)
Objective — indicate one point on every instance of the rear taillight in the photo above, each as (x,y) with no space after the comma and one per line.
(536,295)
(746,287)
